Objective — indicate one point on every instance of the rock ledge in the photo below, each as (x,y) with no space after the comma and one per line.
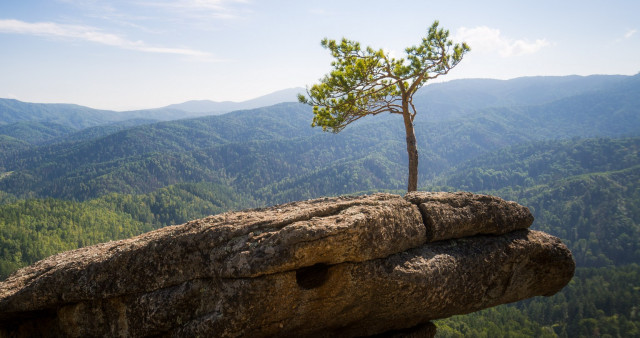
(346,266)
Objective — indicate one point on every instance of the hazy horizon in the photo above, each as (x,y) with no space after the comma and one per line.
(293,99)
(126,55)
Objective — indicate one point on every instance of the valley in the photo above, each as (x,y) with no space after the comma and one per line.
(566,147)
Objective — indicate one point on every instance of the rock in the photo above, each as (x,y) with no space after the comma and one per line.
(347,266)
(462,214)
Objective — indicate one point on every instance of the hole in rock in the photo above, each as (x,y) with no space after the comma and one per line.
(312,277)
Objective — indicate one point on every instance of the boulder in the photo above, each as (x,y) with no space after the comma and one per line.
(463,214)
(343,266)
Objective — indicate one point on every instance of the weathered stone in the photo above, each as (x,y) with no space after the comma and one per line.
(462,214)
(330,267)
(231,245)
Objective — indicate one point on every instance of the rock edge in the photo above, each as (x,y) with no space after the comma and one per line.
(347,265)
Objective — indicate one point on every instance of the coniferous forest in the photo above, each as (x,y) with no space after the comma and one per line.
(566,147)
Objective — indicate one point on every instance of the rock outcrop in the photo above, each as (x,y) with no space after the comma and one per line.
(345,266)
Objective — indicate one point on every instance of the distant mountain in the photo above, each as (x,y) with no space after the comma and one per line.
(75,117)
(71,115)
(611,111)
(457,98)
(202,107)
(270,152)
(65,185)
(96,132)
(42,122)
(435,102)
(35,132)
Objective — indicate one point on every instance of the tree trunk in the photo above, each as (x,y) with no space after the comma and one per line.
(412,151)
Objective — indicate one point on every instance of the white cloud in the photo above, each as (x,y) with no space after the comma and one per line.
(92,34)
(219,9)
(626,36)
(630,33)
(489,40)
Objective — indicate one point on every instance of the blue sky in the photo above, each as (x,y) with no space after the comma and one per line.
(150,53)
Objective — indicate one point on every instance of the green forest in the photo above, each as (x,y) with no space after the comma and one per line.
(587,192)
(566,147)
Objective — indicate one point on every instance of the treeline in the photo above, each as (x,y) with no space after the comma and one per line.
(274,146)
(525,165)
(593,205)
(110,182)
(598,302)
(587,192)
(33,229)
(583,191)
(249,167)
(597,215)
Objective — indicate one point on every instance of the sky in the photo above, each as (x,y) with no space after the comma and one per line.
(136,54)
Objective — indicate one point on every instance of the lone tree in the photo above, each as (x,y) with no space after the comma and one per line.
(369,82)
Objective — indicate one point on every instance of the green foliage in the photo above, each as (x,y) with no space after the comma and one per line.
(597,302)
(583,191)
(597,215)
(145,158)
(116,181)
(344,177)
(10,147)
(6,198)
(69,115)
(36,228)
(33,229)
(35,132)
(369,82)
(271,146)
(587,192)
(177,204)
(543,162)
(502,321)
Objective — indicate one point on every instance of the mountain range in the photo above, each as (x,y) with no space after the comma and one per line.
(14,113)
(567,147)
(208,107)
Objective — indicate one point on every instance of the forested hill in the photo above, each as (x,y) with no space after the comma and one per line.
(36,122)
(207,107)
(68,115)
(531,164)
(587,192)
(273,153)
(567,147)
(583,190)
(458,98)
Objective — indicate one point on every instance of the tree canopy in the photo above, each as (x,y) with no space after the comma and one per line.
(369,82)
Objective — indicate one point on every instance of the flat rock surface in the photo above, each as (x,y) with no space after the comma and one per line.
(463,214)
(349,266)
